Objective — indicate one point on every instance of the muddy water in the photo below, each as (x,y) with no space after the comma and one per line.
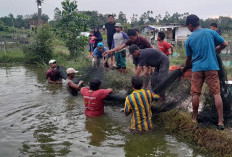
(39,119)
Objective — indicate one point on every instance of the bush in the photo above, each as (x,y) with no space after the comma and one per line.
(40,51)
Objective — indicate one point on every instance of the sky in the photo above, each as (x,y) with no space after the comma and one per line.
(202,8)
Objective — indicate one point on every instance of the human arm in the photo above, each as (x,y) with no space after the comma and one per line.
(221,47)
(75,86)
(171,47)
(127,107)
(188,64)
(138,70)
(114,49)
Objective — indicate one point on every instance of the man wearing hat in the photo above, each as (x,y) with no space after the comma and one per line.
(120,38)
(70,85)
(201,47)
(52,75)
(97,54)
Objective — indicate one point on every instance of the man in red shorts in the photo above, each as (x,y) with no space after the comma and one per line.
(201,54)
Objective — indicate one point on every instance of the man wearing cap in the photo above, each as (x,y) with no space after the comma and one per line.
(201,47)
(120,56)
(141,42)
(153,58)
(97,54)
(52,75)
(70,85)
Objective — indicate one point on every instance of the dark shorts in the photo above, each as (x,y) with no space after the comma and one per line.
(212,81)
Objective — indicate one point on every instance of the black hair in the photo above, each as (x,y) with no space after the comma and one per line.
(111,15)
(214,25)
(95,84)
(132,48)
(137,82)
(131,32)
(193,20)
(137,30)
(161,35)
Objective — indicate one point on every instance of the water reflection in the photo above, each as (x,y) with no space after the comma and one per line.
(97,127)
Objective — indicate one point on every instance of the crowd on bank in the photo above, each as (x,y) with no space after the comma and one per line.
(201,48)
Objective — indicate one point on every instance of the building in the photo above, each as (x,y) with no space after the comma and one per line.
(173,32)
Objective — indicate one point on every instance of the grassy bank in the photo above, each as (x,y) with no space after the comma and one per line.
(207,139)
(12,56)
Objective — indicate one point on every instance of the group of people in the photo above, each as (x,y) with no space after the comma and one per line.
(201,48)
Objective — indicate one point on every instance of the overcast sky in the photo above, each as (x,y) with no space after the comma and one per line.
(202,8)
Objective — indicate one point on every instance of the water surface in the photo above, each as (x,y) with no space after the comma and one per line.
(40,119)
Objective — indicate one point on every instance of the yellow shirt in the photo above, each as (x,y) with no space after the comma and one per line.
(139,104)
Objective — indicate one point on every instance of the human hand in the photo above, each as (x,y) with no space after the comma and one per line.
(106,53)
(81,82)
(58,82)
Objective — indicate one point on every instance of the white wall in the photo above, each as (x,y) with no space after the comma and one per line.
(182,32)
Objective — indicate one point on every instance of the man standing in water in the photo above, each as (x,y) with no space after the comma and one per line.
(52,74)
(201,54)
(70,85)
(110,28)
(93,98)
(139,104)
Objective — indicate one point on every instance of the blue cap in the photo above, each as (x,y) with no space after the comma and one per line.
(100,44)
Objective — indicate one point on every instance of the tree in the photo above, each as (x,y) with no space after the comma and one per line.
(122,18)
(70,25)
(134,20)
(40,51)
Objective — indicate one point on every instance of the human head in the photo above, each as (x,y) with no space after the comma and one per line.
(134,50)
(95,84)
(96,29)
(52,63)
(92,33)
(110,18)
(137,31)
(71,72)
(192,22)
(213,26)
(161,36)
(137,82)
(118,27)
(132,34)
(100,46)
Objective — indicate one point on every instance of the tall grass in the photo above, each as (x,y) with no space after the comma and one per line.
(12,56)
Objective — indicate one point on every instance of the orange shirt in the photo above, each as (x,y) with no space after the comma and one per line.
(164,47)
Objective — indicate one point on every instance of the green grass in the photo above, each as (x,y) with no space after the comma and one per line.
(12,56)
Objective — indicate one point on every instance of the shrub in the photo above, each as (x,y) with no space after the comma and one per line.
(40,51)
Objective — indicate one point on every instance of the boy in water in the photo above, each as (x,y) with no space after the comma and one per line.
(93,98)
(139,104)
(163,45)
(52,75)
(91,43)
(70,85)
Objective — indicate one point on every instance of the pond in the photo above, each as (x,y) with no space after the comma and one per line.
(40,119)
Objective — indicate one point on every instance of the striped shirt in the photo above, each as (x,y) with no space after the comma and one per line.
(139,104)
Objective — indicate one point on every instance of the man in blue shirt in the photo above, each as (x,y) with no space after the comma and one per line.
(201,47)
(97,54)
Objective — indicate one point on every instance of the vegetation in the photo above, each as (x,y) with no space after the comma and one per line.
(40,51)
(210,140)
(70,25)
